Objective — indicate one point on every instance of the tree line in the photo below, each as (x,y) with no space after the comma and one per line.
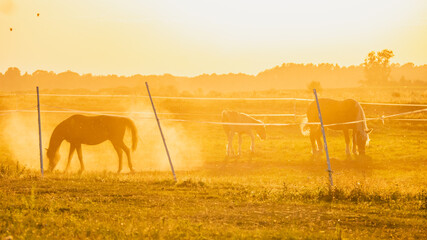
(375,71)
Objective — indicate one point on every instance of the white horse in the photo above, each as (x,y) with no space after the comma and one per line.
(231,130)
(339,113)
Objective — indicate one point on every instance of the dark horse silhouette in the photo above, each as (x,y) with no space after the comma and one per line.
(336,112)
(79,129)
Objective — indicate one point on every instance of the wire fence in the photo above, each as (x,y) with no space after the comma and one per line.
(149,115)
(153,115)
(211,98)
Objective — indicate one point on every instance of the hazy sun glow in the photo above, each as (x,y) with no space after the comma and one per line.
(190,37)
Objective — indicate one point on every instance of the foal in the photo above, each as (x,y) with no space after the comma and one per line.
(231,130)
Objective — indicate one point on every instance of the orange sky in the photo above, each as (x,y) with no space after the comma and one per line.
(190,37)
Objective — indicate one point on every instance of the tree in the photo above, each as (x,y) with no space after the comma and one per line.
(377,67)
(12,74)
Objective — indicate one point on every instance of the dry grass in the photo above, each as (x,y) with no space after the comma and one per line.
(279,192)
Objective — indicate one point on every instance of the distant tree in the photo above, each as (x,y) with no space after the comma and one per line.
(68,76)
(314,85)
(377,67)
(26,76)
(12,74)
(40,75)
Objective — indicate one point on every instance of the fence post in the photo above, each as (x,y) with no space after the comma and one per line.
(324,139)
(40,131)
(161,132)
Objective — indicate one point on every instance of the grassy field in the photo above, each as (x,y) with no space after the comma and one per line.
(280,192)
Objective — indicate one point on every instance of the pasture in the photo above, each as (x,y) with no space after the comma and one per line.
(278,192)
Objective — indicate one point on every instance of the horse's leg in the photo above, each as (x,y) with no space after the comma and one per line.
(79,154)
(119,154)
(252,142)
(319,140)
(347,143)
(127,151)
(227,146)
(230,151)
(70,156)
(354,143)
(240,144)
(313,142)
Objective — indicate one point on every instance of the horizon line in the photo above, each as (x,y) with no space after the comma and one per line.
(200,74)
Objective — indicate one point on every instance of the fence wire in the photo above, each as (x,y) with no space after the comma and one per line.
(137,114)
(134,115)
(210,98)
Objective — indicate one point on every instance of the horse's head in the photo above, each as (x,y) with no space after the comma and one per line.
(53,158)
(362,140)
(260,130)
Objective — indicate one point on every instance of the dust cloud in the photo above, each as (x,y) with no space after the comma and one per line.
(151,154)
(21,139)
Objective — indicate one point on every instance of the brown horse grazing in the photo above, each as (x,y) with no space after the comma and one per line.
(336,112)
(231,130)
(79,129)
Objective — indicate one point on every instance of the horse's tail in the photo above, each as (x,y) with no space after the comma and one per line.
(131,125)
(304,127)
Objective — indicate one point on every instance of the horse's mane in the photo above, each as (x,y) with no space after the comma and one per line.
(362,127)
(361,116)
(57,137)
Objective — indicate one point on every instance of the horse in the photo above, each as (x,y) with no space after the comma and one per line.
(339,113)
(91,130)
(231,130)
